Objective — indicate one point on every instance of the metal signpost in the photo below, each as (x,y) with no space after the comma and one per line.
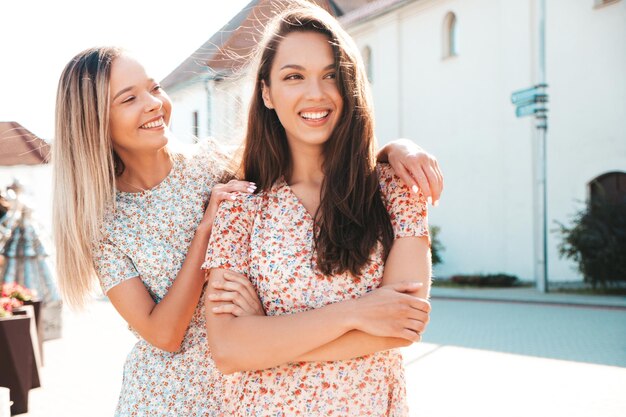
(532,102)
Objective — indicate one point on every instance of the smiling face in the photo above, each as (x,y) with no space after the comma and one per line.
(303,89)
(140,109)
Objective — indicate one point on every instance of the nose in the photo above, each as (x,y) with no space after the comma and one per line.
(315,89)
(153,103)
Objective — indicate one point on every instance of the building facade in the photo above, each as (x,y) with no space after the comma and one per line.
(442,73)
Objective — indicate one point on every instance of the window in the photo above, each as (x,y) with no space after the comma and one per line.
(610,186)
(367,61)
(195,126)
(450,36)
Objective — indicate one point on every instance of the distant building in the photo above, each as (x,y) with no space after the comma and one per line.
(442,73)
(210,89)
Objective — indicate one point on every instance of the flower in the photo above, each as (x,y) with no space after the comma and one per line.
(7,305)
(14,290)
(12,296)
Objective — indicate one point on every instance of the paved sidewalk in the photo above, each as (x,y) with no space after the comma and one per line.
(446,377)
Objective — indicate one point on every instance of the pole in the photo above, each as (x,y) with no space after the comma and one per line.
(541,124)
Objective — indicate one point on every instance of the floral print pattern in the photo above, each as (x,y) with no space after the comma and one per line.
(269,237)
(148,234)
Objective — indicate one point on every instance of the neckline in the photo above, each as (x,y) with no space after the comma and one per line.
(157,187)
(282,183)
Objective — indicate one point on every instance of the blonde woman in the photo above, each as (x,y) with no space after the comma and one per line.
(135,217)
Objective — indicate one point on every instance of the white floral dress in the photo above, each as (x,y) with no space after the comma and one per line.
(148,235)
(269,237)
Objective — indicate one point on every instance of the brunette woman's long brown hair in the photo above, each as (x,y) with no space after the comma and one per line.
(351,218)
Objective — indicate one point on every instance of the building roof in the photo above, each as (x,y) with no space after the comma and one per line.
(230,47)
(370,10)
(18,146)
(346,6)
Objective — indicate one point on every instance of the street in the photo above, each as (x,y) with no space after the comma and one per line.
(478,358)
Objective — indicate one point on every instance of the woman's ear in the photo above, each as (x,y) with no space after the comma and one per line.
(266,95)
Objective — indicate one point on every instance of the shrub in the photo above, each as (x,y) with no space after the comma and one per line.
(435,245)
(485,280)
(597,242)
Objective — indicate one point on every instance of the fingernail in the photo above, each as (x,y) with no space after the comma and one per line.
(251,190)
(430,200)
(436,203)
(253,184)
(417,284)
(212,296)
(215,309)
(415,189)
(232,197)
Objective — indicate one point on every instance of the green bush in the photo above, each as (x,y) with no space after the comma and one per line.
(435,245)
(485,280)
(597,242)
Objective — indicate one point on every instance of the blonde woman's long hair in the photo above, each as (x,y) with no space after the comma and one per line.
(84,168)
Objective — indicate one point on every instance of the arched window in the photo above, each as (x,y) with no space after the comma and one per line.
(450,36)
(610,187)
(367,60)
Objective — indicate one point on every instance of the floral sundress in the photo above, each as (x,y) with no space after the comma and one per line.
(148,235)
(269,238)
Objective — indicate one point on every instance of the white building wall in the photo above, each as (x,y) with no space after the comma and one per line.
(222,107)
(186,100)
(230,100)
(586,70)
(382,36)
(459,109)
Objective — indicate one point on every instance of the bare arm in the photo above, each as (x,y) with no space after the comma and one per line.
(257,342)
(164,324)
(409,259)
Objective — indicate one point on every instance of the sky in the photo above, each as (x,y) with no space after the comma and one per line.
(39,37)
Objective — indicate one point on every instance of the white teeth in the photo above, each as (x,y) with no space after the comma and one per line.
(156,123)
(314,115)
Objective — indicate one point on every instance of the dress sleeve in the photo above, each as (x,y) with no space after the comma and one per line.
(213,160)
(229,245)
(112,265)
(409,216)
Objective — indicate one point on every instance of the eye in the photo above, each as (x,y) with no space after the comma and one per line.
(128,99)
(332,76)
(157,88)
(293,77)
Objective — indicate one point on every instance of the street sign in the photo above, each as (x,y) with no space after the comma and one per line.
(524,96)
(530,101)
(528,95)
(530,109)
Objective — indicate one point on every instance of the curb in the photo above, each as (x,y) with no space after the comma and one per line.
(602,302)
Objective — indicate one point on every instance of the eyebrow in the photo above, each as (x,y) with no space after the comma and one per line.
(301,68)
(123,90)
